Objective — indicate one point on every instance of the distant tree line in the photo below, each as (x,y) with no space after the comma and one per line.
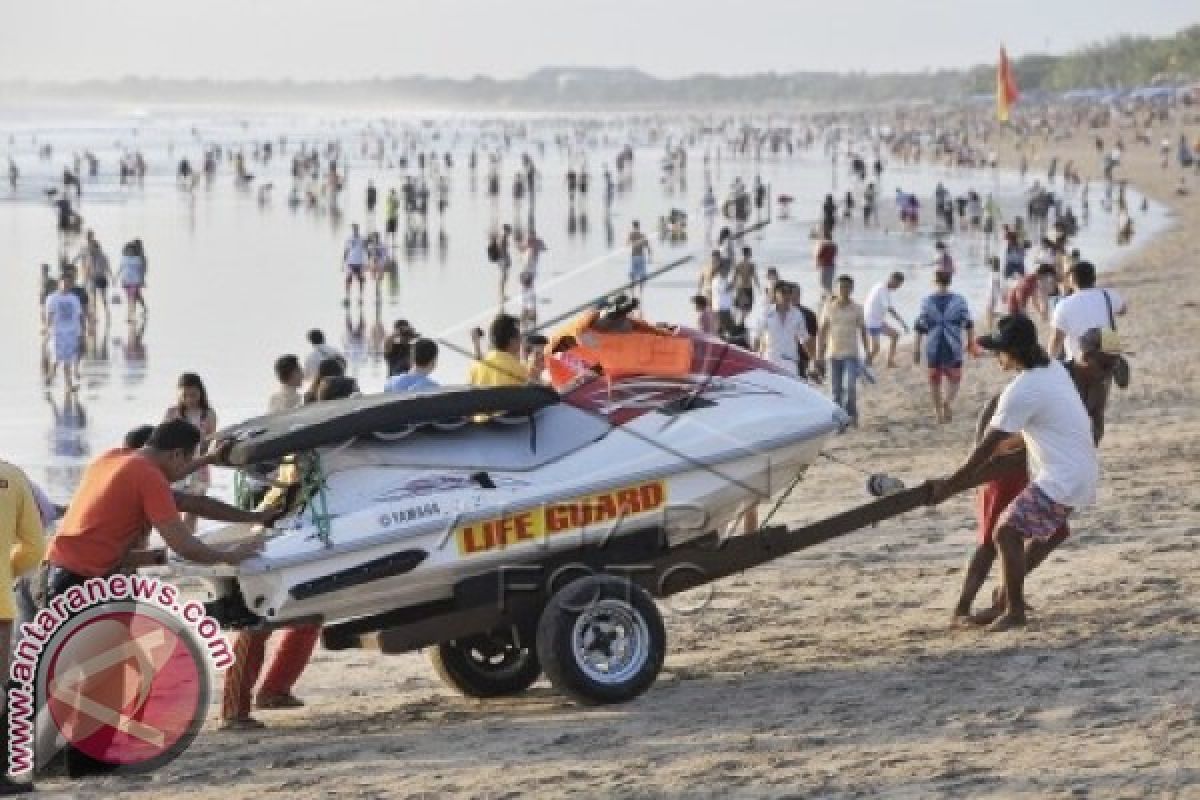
(1123,62)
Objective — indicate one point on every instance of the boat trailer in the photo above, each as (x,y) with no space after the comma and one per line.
(587,618)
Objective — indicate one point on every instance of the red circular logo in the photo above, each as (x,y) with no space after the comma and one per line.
(127,685)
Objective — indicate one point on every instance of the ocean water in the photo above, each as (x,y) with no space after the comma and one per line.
(235,282)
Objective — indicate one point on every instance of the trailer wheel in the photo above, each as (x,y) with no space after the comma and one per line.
(486,665)
(601,640)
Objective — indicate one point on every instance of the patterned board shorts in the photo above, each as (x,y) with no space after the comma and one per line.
(1034,514)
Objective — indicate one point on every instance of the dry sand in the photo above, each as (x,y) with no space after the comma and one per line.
(835,673)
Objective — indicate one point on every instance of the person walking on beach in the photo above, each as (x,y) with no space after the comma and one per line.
(784,333)
(354,260)
(709,209)
(1042,407)
(843,327)
(745,286)
(64,323)
(22,542)
(943,261)
(1087,307)
(997,293)
(192,405)
(828,217)
(825,256)
(812,324)
(132,276)
(943,321)
(876,310)
(639,256)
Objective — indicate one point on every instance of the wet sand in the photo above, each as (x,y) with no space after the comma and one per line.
(835,672)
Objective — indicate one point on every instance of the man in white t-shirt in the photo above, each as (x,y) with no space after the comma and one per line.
(1041,406)
(784,332)
(1086,308)
(320,352)
(876,311)
(64,322)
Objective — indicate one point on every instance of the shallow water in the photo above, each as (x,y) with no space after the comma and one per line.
(234,283)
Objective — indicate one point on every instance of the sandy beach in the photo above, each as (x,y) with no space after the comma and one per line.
(836,672)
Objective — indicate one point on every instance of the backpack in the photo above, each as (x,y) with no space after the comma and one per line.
(493,251)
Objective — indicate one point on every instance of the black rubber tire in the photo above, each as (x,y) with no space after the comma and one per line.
(487,665)
(556,631)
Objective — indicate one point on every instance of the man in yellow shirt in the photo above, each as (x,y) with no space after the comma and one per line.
(842,328)
(502,365)
(22,545)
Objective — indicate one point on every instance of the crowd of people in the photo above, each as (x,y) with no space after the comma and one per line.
(159,479)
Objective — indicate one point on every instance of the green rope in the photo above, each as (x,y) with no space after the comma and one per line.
(242,493)
(315,497)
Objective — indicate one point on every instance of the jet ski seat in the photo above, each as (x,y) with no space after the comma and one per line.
(546,436)
(271,437)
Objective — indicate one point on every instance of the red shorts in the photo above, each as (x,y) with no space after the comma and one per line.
(951,374)
(994,497)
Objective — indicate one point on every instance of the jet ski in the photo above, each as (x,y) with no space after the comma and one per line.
(399,498)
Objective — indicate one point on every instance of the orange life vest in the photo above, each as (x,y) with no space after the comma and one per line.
(645,350)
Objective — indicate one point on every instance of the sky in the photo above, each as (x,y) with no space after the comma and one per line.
(67,40)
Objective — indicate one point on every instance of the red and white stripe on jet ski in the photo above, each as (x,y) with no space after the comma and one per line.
(632,397)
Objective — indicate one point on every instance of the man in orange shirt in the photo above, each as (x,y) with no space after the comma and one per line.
(121,495)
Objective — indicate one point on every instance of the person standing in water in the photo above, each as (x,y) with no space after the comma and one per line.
(391,214)
(354,259)
(192,405)
(96,274)
(64,321)
(709,208)
(132,276)
(639,257)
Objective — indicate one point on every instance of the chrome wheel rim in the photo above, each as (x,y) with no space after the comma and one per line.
(610,641)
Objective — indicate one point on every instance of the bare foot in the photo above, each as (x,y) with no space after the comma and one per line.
(999,603)
(961,620)
(987,616)
(1006,622)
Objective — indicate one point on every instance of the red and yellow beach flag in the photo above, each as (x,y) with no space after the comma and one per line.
(1006,87)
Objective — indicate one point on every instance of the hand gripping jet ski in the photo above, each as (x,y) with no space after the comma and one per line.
(522,530)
